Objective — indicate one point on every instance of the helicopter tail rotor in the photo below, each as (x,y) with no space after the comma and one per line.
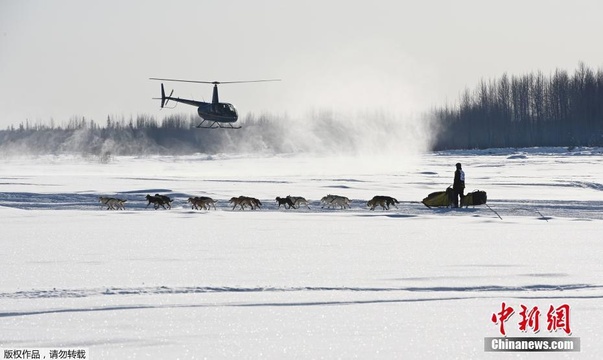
(162,96)
(165,99)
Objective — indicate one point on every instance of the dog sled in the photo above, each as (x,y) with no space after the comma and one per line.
(439,198)
(445,198)
(474,198)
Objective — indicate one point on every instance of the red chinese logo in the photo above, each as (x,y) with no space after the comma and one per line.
(557,318)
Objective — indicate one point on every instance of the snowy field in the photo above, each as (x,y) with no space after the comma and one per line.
(407,283)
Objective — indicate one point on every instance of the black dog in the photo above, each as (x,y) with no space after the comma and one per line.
(156,201)
(286,202)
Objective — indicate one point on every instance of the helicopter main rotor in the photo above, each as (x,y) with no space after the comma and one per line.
(215,82)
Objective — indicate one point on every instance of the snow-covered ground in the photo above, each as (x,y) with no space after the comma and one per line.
(406,283)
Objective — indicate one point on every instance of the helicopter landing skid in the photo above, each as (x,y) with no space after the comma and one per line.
(216,125)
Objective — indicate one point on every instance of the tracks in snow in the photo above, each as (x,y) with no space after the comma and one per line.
(162,290)
(287,296)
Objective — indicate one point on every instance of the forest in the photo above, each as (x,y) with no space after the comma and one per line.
(525,111)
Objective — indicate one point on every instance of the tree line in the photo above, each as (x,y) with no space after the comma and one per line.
(525,111)
(321,132)
(143,135)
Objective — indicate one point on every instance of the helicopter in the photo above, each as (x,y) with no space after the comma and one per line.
(215,115)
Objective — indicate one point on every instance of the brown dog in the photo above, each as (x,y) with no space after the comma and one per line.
(202,202)
(383,201)
(244,201)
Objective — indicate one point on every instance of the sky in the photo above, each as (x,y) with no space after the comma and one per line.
(67,58)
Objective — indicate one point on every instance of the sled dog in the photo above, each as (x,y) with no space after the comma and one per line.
(326,200)
(202,202)
(156,201)
(243,201)
(105,202)
(286,202)
(335,200)
(112,203)
(298,201)
(208,202)
(383,201)
(166,200)
(257,203)
(238,201)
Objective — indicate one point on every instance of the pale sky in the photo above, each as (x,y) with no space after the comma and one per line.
(65,58)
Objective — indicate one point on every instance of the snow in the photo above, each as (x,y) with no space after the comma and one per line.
(410,282)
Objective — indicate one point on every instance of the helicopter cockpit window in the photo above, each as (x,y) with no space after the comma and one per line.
(227,109)
(223,108)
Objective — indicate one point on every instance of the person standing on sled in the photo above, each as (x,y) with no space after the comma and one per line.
(458,187)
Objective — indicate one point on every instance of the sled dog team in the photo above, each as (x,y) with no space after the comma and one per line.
(288,202)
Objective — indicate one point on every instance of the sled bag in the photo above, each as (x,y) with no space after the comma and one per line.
(438,198)
(474,198)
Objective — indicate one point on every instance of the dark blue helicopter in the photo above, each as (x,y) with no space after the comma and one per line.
(215,115)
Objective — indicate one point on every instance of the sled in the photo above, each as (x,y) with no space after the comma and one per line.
(474,198)
(439,198)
